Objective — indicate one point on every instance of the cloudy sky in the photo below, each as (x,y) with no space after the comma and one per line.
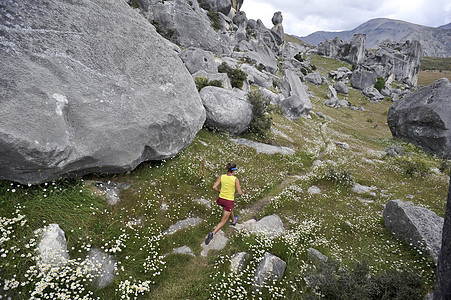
(302,17)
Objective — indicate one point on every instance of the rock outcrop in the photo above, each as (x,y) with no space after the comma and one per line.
(83,90)
(442,289)
(417,226)
(227,110)
(102,266)
(424,118)
(401,60)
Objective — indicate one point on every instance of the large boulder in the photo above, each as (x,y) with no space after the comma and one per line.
(227,110)
(417,226)
(362,79)
(424,118)
(186,25)
(83,90)
(357,49)
(297,102)
(443,280)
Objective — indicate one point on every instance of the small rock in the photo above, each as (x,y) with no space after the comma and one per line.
(188,222)
(185,250)
(271,268)
(313,190)
(52,246)
(102,266)
(342,145)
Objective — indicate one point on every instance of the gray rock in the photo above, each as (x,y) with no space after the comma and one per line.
(261,54)
(238,261)
(110,190)
(394,151)
(343,103)
(264,148)
(316,257)
(273,97)
(332,102)
(184,250)
(362,189)
(204,202)
(362,79)
(331,48)
(101,266)
(270,269)
(222,6)
(277,18)
(331,93)
(442,289)
(297,102)
(269,226)
(357,49)
(196,59)
(340,74)
(226,110)
(417,226)
(188,222)
(186,26)
(341,87)
(342,145)
(372,93)
(218,242)
(314,190)
(262,79)
(52,245)
(401,60)
(424,118)
(314,78)
(96,96)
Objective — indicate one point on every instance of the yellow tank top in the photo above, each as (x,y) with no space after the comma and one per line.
(227,187)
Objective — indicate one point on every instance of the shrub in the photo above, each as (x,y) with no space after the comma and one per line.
(299,57)
(261,122)
(380,83)
(202,82)
(237,76)
(332,282)
(215,20)
(411,166)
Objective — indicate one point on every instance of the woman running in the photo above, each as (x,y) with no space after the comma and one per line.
(226,198)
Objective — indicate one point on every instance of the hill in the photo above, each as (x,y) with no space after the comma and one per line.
(435,41)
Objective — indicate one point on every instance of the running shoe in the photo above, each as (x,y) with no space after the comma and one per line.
(236,219)
(209,238)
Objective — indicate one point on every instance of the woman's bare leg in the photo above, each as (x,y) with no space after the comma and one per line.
(225,216)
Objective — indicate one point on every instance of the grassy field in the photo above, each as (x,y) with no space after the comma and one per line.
(342,224)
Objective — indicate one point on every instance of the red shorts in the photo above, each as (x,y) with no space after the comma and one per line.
(227,204)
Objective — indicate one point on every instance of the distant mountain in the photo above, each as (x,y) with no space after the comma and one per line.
(436,42)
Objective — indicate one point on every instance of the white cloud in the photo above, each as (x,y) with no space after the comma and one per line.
(302,17)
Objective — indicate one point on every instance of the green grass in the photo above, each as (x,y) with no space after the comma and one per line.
(347,227)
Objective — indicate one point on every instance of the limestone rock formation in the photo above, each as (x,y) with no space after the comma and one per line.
(297,102)
(83,90)
(442,289)
(185,24)
(401,60)
(227,110)
(424,118)
(238,261)
(223,6)
(416,225)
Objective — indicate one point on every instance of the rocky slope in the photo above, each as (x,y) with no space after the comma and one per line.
(435,41)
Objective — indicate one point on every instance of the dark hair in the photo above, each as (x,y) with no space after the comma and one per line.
(230,166)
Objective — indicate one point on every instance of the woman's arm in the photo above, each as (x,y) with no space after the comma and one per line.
(215,186)
(238,187)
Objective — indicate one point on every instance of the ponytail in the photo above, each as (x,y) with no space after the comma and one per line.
(230,167)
